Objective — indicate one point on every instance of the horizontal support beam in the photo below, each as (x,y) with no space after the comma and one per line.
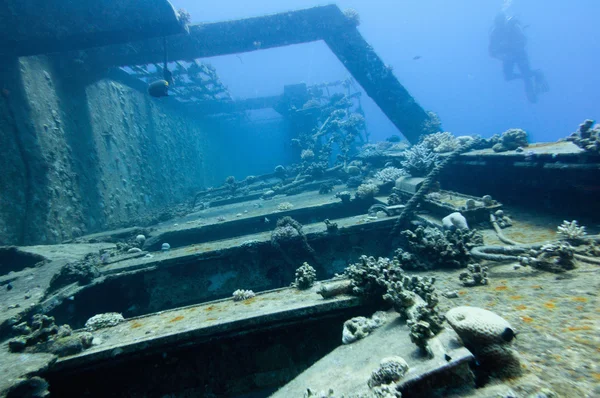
(55,26)
(326,23)
(223,38)
(215,107)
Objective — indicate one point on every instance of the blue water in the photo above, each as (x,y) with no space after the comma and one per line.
(455,76)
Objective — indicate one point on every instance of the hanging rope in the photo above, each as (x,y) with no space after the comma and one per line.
(167,75)
(431,178)
(515,249)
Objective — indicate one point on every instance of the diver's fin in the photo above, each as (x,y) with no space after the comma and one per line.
(540,82)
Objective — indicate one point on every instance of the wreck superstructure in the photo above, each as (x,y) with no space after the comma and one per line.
(204,299)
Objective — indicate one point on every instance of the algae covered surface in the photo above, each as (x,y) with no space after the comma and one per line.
(557,316)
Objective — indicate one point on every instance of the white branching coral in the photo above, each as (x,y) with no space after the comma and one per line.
(366,190)
(241,295)
(307,154)
(419,160)
(389,174)
(441,142)
(570,230)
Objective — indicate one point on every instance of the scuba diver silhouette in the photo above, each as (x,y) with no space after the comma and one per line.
(507,43)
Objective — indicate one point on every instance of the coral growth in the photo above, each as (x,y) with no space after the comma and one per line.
(430,248)
(353,170)
(139,240)
(359,327)
(332,227)
(553,257)
(390,370)
(287,229)
(389,174)
(321,394)
(305,277)
(419,160)
(241,295)
(398,292)
(43,335)
(354,181)
(284,233)
(510,140)
(370,151)
(280,170)
(587,137)
(326,187)
(420,332)
(440,142)
(371,277)
(488,200)
(352,16)
(424,324)
(311,104)
(367,190)
(478,327)
(385,278)
(384,391)
(571,231)
(344,196)
(307,155)
(487,336)
(432,124)
(475,275)
(283,206)
(105,320)
(342,128)
(394,199)
(81,272)
(184,17)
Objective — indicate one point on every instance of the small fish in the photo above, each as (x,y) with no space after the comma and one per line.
(416,57)
(158,88)
(267,220)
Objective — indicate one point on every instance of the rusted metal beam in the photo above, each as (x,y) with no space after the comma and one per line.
(30,27)
(326,23)
(222,38)
(379,82)
(216,107)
